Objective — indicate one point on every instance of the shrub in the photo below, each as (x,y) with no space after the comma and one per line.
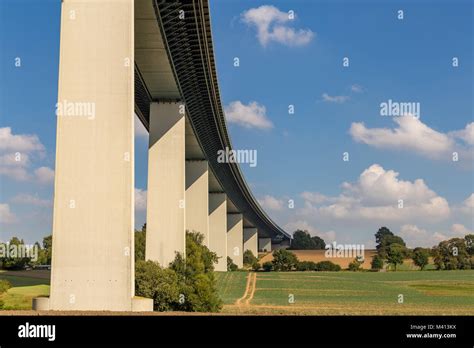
(306,266)
(377,262)
(327,266)
(284,260)
(267,266)
(249,258)
(256,266)
(160,284)
(187,285)
(4,286)
(231,266)
(354,266)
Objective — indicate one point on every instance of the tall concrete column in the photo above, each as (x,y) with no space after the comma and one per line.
(251,240)
(265,244)
(218,228)
(235,237)
(165,230)
(93,223)
(197,196)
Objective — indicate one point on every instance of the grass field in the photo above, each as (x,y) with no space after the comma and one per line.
(351,293)
(313,293)
(25,286)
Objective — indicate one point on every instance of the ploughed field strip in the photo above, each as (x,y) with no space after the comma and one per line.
(348,293)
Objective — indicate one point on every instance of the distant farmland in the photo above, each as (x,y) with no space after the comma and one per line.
(318,255)
(349,293)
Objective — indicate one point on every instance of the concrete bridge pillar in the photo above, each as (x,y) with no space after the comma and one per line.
(197,197)
(218,228)
(165,233)
(265,244)
(93,223)
(235,226)
(251,240)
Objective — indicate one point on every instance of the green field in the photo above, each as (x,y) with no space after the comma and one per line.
(316,293)
(23,289)
(353,293)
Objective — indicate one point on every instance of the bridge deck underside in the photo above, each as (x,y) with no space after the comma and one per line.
(174,60)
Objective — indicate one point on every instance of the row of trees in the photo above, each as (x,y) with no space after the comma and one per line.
(302,240)
(284,261)
(12,261)
(455,253)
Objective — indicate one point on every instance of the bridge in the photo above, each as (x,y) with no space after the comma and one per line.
(154,59)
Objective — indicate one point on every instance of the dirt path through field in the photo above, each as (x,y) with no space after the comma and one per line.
(249,290)
(253,286)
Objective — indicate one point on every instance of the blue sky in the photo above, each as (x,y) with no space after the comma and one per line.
(337,110)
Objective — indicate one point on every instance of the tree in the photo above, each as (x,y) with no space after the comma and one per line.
(396,254)
(187,285)
(384,238)
(355,265)
(302,240)
(249,258)
(284,260)
(140,244)
(198,288)
(15,258)
(452,254)
(420,257)
(160,284)
(377,262)
(231,266)
(469,238)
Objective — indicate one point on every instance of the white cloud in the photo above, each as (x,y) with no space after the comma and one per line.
(415,236)
(338,99)
(16,152)
(24,198)
(357,88)
(14,165)
(6,216)
(44,175)
(375,196)
(466,134)
(460,230)
(140,199)
(252,115)
(271,203)
(19,143)
(314,197)
(468,205)
(413,135)
(274,25)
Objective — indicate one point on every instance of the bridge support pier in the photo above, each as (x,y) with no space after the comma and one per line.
(93,223)
(265,244)
(197,196)
(218,228)
(235,226)
(165,233)
(251,240)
